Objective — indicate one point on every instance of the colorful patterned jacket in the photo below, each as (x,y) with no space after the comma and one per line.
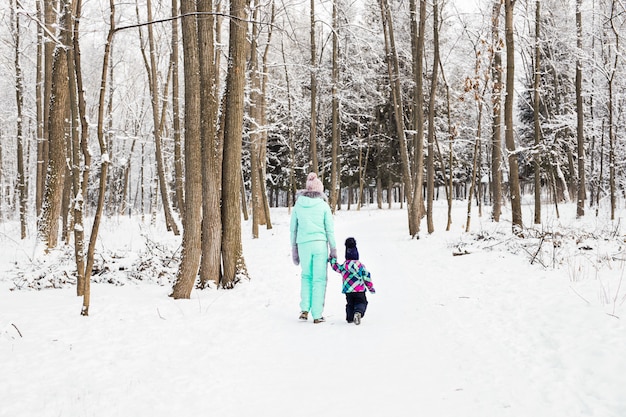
(355,277)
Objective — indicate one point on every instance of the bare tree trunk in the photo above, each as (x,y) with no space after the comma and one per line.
(266,206)
(232,250)
(496,141)
(292,157)
(334,170)
(178,156)
(313,123)
(44,156)
(612,134)
(210,263)
(379,190)
(55,180)
(363,169)
(82,106)
(580,133)
(76,186)
(418,29)
(142,179)
(263,156)
(104,163)
(516,202)
(536,114)
(192,233)
(19,100)
(151,68)
(125,181)
(430,161)
(256,136)
(398,109)
(39,104)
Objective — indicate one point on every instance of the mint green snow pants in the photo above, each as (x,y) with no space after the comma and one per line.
(313,260)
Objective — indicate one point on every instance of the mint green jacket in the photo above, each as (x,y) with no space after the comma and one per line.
(312,220)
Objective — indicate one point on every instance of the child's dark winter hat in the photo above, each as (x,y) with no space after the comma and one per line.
(351,251)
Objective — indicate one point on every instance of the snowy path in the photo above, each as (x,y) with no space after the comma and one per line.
(483,334)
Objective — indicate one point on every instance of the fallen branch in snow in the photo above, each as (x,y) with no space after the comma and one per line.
(543,237)
(460,252)
(583,298)
(18,330)
(533,257)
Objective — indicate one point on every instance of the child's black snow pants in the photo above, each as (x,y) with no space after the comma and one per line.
(355,301)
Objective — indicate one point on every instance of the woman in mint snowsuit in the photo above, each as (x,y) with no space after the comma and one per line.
(312,234)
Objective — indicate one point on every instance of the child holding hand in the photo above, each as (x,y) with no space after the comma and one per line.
(356,279)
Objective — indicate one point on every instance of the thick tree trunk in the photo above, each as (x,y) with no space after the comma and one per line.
(210,264)
(232,250)
(43,157)
(192,233)
(57,130)
(418,30)
(256,128)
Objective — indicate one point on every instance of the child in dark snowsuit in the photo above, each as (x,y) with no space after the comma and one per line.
(356,279)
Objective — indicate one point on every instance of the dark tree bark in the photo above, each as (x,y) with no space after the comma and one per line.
(191,250)
(57,138)
(210,264)
(232,250)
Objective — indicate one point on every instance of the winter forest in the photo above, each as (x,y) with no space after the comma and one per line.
(205,114)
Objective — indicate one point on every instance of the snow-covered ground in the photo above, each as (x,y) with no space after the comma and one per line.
(508,327)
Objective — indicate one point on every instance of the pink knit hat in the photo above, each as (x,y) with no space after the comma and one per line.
(313,183)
